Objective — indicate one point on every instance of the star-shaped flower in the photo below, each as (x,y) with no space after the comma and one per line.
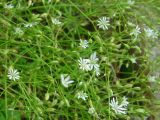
(56,21)
(83,43)
(119,108)
(13,74)
(136,31)
(84,64)
(82,95)
(93,61)
(103,23)
(65,80)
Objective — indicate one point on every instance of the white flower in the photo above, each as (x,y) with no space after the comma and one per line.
(8,6)
(103,23)
(84,64)
(82,95)
(66,80)
(97,71)
(92,111)
(136,31)
(151,33)
(49,1)
(83,43)
(30,24)
(93,61)
(90,64)
(152,78)
(55,21)
(130,2)
(119,108)
(13,74)
(19,31)
(124,102)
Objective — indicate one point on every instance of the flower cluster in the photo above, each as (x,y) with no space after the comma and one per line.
(86,65)
(150,33)
(66,81)
(90,64)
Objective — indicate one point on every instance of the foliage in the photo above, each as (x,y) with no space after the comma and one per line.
(42,39)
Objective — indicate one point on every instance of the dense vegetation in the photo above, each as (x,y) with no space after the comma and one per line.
(79,59)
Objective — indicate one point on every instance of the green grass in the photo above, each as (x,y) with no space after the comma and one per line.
(43,52)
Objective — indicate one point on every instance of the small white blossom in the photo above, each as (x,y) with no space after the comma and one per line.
(55,21)
(84,64)
(49,1)
(19,31)
(152,78)
(83,43)
(124,102)
(119,108)
(66,80)
(30,3)
(103,23)
(8,6)
(131,2)
(136,31)
(151,33)
(92,111)
(13,74)
(82,95)
(30,24)
(93,61)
